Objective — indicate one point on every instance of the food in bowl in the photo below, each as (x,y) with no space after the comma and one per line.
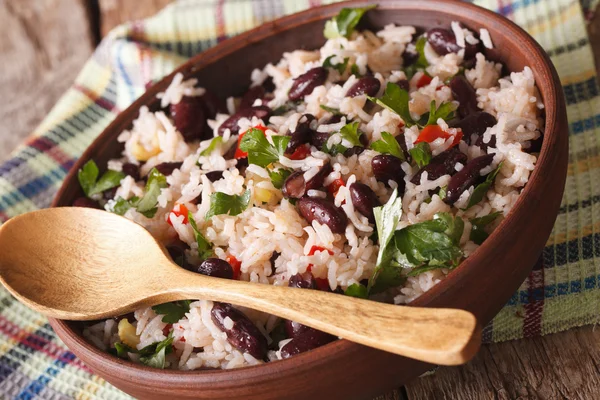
(370,167)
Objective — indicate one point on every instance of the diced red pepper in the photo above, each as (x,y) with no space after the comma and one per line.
(433,132)
(178,210)
(167,329)
(300,153)
(314,249)
(238,152)
(322,284)
(424,81)
(335,186)
(236,265)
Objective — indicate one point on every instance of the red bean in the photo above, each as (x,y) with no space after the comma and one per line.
(110,194)
(475,124)
(212,104)
(442,40)
(364,200)
(296,187)
(132,170)
(244,335)
(86,202)
(386,168)
(215,267)
(466,177)
(324,212)
(403,83)
(190,119)
(214,175)
(254,93)
(442,164)
(305,339)
(303,281)
(231,123)
(167,168)
(464,93)
(368,85)
(302,134)
(307,82)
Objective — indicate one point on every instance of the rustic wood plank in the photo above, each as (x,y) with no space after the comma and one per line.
(563,365)
(44,44)
(115,12)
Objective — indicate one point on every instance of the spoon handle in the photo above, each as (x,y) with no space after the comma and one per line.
(434,335)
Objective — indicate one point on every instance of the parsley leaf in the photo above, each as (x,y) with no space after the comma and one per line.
(204,246)
(396,100)
(386,220)
(339,67)
(122,349)
(388,145)
(121,206)
(357,290)
(334,111)
(421,154)
(421,62)
(445,111)
(147,204)
(260,151)
(279,176)
(156,359)
(343,24)
(221,203)
(88,175)
(216,141)
(354,70)
(481,189)
(174,311)
(351,133)
(478,233)
(432,242)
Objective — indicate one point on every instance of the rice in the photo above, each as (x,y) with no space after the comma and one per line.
(269,241)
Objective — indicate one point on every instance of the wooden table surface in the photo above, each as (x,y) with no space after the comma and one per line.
(43,45)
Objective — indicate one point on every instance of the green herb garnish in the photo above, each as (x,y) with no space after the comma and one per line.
(421,62)
(172,312)
(221,203)
(91,185)
(396,100)
(279,176)
(216,141)
(147,204)
(355,71)
(334,111)
(481,189)
(421,154)
(156,359)
(388,145)
(343,24)
(445,111)
(357,290)
(339,67)
(386,220)
(478,233)
(260,151)
(204,246)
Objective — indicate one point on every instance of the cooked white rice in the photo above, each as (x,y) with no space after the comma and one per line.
(272,224)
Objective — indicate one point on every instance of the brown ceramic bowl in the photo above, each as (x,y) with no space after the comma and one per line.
(482,284)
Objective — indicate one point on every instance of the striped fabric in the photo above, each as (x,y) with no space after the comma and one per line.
(561,292)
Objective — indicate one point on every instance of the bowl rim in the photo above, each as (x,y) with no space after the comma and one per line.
(553,102)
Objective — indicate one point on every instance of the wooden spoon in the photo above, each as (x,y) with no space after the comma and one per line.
(85,264)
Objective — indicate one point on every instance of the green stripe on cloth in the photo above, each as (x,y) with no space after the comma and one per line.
(561,292)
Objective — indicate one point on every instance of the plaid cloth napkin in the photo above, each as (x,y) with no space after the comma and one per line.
(561,292)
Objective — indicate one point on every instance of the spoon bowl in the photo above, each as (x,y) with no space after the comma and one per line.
(85,264)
